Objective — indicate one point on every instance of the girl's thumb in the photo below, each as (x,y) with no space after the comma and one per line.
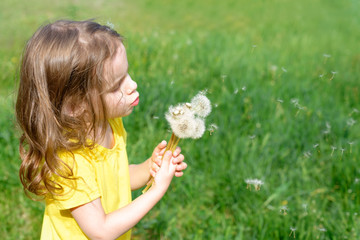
(166,159)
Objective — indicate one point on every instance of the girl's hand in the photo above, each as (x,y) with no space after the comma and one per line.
(178,160)
(165,174)
(155,160)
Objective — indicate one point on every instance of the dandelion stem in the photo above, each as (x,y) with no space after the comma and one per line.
(174,141)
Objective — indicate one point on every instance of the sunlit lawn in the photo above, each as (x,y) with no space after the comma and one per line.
(283,80)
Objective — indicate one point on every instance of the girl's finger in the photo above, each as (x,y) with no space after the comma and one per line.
(181,167)
(178,174)
(177,152)
(160,146)
(178,159)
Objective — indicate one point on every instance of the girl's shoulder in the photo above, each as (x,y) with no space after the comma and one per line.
(118,127)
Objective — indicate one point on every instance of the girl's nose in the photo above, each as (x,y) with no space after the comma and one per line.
(132,85)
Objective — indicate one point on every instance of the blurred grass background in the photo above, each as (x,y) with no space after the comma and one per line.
(283,77)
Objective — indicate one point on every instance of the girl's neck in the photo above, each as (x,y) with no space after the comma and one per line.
(108,140)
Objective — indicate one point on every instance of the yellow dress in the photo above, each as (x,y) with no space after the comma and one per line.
(100,172)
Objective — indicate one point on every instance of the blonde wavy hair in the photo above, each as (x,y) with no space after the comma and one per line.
(60,98)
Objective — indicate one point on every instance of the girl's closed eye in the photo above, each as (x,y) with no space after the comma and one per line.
(116,86)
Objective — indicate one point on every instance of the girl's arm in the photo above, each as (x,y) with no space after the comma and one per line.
(97,225)
(140,173)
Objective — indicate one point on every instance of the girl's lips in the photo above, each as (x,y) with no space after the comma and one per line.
(136,102)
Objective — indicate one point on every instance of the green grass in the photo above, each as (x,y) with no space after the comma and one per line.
(255,58)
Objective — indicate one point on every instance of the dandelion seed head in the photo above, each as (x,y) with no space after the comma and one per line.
(201,105)
(293,229)
(199,128)
(184,128)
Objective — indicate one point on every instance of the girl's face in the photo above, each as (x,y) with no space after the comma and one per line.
(122,96)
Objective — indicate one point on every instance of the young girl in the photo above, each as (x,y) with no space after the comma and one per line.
(74,90)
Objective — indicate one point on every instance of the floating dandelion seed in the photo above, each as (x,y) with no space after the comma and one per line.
(110,24)
(350,122)
(273,68)
(283,69)
(252,137)
(243,88)
(212,128)
(155,117)
(315,145)
(326,56)
(280,100)
(355,110)
(322,229)
(236,91)
(255,182)
(326,132)
(304,205)
(321,75)
(295,101)
(333,149)
(357,180)
(351,143)
(307,154)
(342,150)
(284,210)
(333,75)
(292,229)
(253,47)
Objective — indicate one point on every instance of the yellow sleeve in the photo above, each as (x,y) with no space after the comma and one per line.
(82,188)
